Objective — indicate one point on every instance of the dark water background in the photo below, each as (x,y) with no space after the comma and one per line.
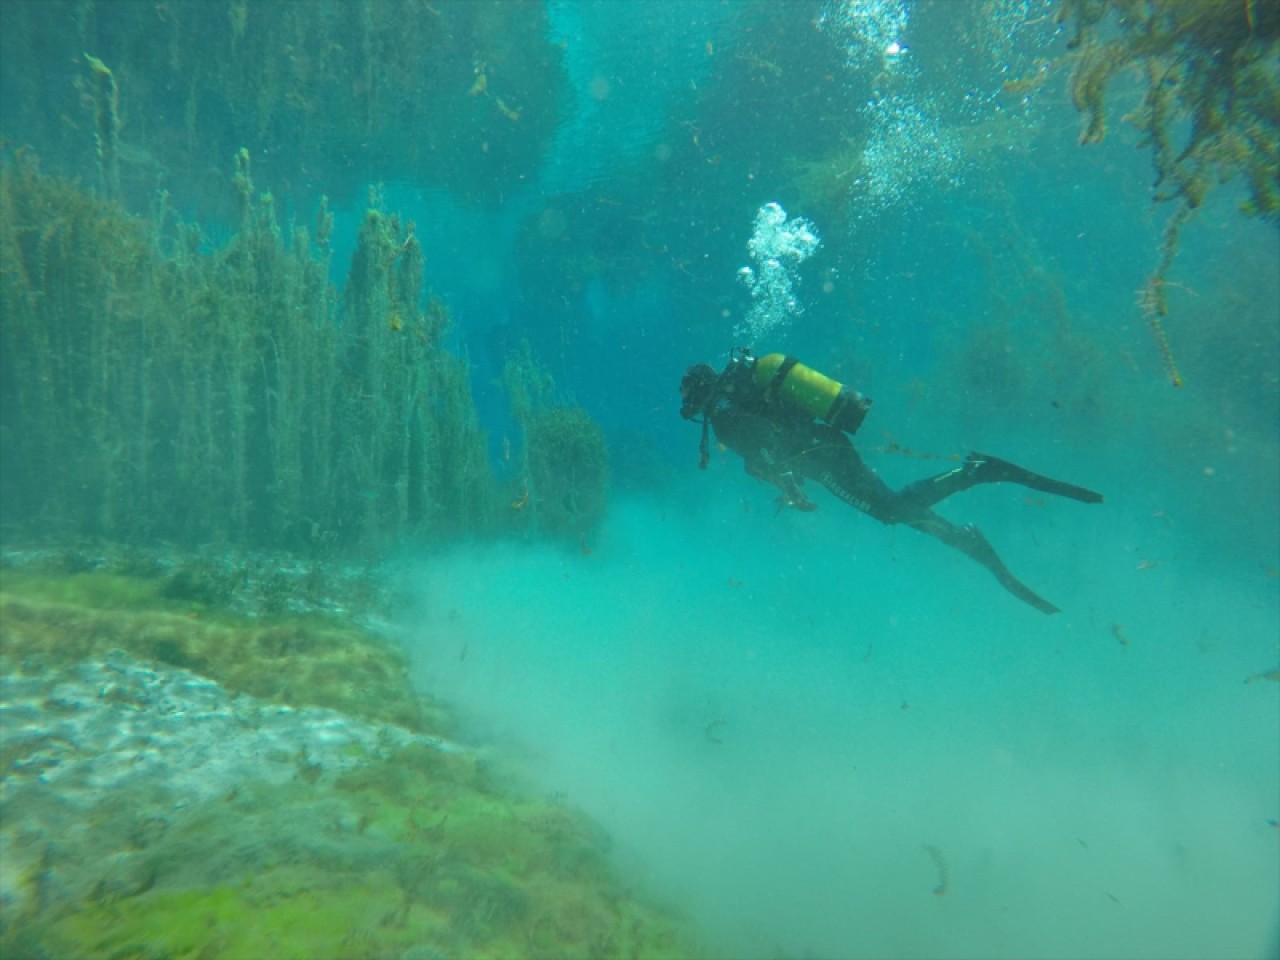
(789,722)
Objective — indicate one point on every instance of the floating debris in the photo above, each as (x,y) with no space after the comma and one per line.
(711,731)
(944,875)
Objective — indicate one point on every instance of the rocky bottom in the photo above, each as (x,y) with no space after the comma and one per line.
(179,783)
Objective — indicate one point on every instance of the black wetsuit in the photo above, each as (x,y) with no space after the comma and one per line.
(785,446)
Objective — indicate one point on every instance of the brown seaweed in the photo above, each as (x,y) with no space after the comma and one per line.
(1211,68)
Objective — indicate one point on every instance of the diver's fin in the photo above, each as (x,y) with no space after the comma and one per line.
(1025,593)
(970,541)
(973,543)
(989,469)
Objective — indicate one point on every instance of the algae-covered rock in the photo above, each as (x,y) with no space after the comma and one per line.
(212,786)
(292,660)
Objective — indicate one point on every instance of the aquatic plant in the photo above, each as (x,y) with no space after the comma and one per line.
(389,81)
(1211,112)
(562,481)
(106,121)
(153,385)
(415,451)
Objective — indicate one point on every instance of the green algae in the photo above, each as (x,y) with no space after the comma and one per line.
(210,924)
(294,660)
(416,852)
(412,853)
(104,591)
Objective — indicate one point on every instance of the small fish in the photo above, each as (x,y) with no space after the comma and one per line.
(1117,630)
(1148,564)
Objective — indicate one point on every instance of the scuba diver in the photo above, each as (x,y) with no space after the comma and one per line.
(789,423)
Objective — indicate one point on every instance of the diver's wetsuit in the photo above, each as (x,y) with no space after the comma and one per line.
(783,446)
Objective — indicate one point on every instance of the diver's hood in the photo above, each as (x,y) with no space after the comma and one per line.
(695,389)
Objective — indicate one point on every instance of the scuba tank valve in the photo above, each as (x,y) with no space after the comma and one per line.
(786,379)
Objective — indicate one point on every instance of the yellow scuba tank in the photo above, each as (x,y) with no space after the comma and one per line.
(784,378)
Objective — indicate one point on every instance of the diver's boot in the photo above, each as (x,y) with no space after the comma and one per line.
(985,469)
(971,542)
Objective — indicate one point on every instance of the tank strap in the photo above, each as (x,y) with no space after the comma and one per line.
(775,383)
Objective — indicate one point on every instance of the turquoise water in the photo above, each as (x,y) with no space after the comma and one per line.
(816,735)
(779,716)
(776,718)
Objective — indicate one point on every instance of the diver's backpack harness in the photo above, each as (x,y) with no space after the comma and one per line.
(786,382)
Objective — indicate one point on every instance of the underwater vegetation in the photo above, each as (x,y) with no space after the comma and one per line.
(465,94)
(183,617)
(156,386)
(182,781)
(1211,111)
(204,755)
(563,478)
